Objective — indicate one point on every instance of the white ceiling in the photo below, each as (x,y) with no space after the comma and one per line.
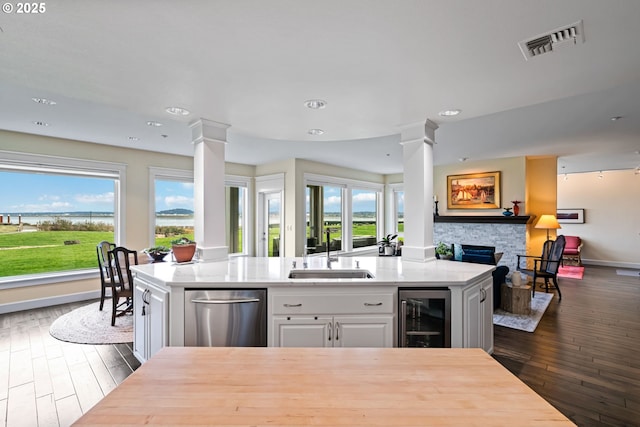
(380,64)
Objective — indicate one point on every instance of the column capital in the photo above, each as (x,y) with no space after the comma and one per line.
(418,132)
(208,130)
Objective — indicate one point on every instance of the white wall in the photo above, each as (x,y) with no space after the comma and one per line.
(611,232)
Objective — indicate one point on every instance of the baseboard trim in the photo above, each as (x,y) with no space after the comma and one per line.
(632,265)
(49,301)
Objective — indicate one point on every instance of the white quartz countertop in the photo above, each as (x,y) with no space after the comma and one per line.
(270,272)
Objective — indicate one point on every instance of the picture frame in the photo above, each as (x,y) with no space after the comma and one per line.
(474,191)
(570,216)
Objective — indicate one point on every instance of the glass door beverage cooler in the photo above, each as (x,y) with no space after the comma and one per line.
(425,317)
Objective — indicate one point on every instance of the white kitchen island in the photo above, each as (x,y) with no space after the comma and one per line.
(369,303)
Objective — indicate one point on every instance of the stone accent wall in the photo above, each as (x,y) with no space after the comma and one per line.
(510,239)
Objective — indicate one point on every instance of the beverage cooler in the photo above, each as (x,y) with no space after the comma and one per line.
(425,317)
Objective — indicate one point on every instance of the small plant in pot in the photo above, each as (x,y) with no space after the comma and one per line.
(157,253)
(387,246)
(183,249)
(443,251)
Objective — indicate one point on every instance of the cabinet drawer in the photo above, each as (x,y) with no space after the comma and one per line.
(332,304)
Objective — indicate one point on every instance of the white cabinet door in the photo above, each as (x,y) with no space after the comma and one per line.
(486,315)
(158,307)
(472,320)
(150,319)
(302,331)
(363,331)
(139,322)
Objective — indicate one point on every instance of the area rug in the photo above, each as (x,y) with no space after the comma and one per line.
(524,322)
(89,325)
(571,272)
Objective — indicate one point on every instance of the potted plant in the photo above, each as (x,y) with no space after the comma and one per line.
(157,253)
(443,251)
(386,244)
(183,249)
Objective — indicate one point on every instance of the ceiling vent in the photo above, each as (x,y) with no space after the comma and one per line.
(569,35)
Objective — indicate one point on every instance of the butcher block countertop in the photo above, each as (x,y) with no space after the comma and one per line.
(322,387)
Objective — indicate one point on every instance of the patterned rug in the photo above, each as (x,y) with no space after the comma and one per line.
(88,325)
(571,272)
(524,322)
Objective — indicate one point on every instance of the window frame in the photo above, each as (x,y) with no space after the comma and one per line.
(11,161)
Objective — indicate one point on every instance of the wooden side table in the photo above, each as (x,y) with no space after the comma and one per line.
(515,299)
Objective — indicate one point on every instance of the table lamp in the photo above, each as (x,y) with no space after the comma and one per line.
(549,222)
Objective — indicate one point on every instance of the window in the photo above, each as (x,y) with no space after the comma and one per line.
(173,210)
(54,213)
(364,218)
(324,213)
(236,202)
(398,204)
(350,210)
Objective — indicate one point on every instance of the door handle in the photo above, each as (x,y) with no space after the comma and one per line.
(372,304)
(403,324)
(224,301)
(293,305)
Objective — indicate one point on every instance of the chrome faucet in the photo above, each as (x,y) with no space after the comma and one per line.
(329,259)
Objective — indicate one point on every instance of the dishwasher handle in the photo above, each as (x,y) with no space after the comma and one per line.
(224,301)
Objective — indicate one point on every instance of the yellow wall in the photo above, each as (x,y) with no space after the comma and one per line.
(540,198)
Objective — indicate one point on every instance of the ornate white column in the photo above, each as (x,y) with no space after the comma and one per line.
(209,140)
(417,146)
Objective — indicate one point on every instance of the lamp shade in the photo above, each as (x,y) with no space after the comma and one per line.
(548,222)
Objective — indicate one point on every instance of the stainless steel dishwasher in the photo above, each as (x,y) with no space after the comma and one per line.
(225,318)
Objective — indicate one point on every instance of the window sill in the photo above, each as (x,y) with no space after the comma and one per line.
(12,282)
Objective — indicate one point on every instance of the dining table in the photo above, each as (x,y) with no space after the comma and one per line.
(273,386)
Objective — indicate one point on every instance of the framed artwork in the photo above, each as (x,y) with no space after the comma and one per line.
(570,216)
(474,191)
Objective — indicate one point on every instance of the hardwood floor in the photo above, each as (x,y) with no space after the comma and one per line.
(46,382)
(584,357)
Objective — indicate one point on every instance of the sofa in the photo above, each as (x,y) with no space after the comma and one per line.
(483,255)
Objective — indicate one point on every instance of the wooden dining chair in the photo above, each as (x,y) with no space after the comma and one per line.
(546,267)
(122,287)
(107,273)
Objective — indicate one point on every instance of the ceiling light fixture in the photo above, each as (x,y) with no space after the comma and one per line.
(315,104)
(178,111)
(463,159)
(44,101)
(449,113)
(600,176)
(315,131)
(134,138)
(615,118)
(154,123)
(39,123)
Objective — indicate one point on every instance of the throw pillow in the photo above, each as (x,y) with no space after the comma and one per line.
(457,252)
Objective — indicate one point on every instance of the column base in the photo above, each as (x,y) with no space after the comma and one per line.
(218,253)
(418,254)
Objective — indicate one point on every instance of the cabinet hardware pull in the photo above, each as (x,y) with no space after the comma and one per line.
(330,326)
(337,331)
(293,305)
(372,304)
(484,294)
(143,313)
(224,301)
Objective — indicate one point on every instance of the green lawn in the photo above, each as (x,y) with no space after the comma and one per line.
(45,251)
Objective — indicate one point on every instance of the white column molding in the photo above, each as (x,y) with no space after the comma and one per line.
(417,146)
(209,140)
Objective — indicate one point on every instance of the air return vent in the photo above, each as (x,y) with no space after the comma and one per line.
(569,35)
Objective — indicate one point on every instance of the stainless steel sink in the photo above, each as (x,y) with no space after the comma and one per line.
(330,274)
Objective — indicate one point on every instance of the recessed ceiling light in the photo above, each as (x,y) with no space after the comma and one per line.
(315,131)
(449,113)
(44,101)
(134,138)
(315,104)
(178,111)
(154,123)
(463,159)
(615,118)
(39,123)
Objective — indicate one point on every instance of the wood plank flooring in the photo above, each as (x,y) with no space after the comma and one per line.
(46,382)
(584,357)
